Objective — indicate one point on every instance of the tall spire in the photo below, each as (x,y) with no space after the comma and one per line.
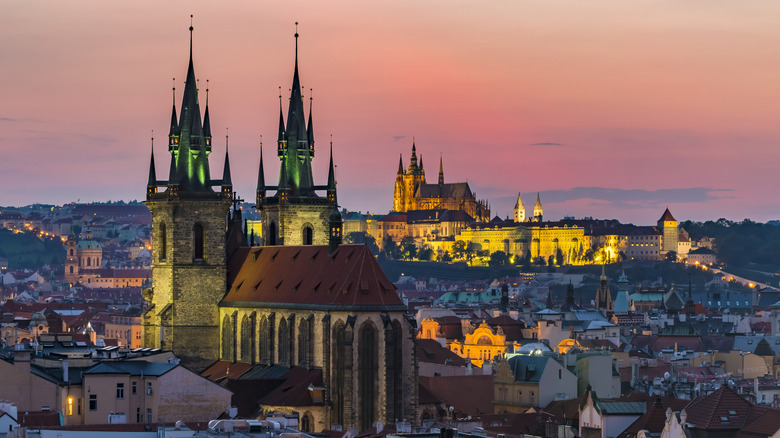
(441,171)
(331,177)
(174,124)
(260,177)
(422,167)
(226,179)
(189,166)
(401,164)
(206,119)
(281,121)
(413,158)
(151,185)
(310,127)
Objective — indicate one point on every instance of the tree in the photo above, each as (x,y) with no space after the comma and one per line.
(671,256)
(558,257)
(391,250)
(551,263)
(498,258)
(539,261)
(446,258)
(362,238)
(408,248)
(459,249)
(425,254)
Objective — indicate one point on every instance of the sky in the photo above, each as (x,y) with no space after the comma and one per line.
(608,109)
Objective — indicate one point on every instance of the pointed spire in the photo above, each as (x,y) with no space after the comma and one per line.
(226,179)
(174,124)
(296,124)
(281,120)
(152,184)
(331,177)
(206,118)
(261,172)
(441,171)
(422,167)
(310,127)
(413,158)
(401,164)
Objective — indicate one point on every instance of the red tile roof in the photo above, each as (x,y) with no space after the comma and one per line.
(761,421)
(294,391)
(218,370)
(723,409)
(431,351)
(36,419)
(470,395)
(308,277)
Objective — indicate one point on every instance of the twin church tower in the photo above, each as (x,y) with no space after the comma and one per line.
(197,224)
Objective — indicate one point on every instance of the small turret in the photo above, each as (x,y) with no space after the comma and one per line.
(227,181)
(331,178)
(260,193)
(151,185)
(335,227)
(538,212)
(441,171)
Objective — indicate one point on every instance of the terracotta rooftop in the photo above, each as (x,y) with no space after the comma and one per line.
(308,277)
(431,351)
(470,395)
(723,409)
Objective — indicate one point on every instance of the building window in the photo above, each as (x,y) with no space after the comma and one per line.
(532,397)
(149,415)
(560,374)
(93,402)
(134,388)
(120,391)
(308,236)
(148,388)
(137,415)
(272,234)
(70,405)
(163,241)
(519,396)
(198,242)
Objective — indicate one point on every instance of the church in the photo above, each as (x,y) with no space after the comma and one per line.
(412,192)
(298,303)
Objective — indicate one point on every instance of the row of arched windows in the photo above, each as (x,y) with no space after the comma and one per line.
(295,337)
(283,352)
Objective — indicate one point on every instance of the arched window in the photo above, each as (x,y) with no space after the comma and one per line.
(71,269)
(71,251)
(367,375)
(284,343)
(272,234)
(307,423)
(197,253)
(163,241)
(308,235)
(305,342)
(394,374)
(340,353)
(247,337)
(89,261)
(227,341)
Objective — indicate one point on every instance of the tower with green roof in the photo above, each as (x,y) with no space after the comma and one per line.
(296,214)
(190,213)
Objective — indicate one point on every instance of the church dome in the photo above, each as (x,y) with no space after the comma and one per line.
(88,244)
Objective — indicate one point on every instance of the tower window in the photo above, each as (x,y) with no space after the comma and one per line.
(308,236)
(198,242)
(272,234)
(163,241)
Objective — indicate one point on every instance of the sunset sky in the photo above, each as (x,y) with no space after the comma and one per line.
(610,109)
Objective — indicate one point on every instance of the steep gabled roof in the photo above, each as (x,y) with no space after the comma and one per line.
(723,409)
(308,277)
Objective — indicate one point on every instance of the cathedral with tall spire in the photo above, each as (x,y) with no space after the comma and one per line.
(412,192)
(301,302)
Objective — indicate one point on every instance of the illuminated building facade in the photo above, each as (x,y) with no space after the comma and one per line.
(302,301)
(412,192)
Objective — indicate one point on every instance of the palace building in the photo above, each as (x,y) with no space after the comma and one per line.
(301,305)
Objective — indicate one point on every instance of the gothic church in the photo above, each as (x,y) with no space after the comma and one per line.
(301,303)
